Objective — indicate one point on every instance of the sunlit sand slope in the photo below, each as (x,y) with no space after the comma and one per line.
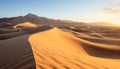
(55,49)
(26,24)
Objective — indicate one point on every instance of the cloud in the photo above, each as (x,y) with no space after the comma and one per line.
(115,9)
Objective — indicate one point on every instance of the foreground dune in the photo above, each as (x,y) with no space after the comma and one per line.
(16,53)
(55,49)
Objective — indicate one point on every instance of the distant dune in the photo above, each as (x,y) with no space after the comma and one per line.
(55,49)
(26,24)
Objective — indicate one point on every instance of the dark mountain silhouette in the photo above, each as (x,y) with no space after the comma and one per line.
(37,20)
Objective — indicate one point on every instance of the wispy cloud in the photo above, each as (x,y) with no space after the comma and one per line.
(115,9)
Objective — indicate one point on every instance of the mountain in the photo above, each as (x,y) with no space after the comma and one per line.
(25,25)
(37,20)
(68,21)
(102,24)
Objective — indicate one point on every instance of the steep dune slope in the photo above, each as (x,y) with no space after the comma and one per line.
(57,49)
(16,53)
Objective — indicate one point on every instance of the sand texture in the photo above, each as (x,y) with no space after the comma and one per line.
(56,49)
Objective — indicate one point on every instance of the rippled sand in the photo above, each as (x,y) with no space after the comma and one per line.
(56,49)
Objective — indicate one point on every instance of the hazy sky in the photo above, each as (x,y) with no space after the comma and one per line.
(76,10)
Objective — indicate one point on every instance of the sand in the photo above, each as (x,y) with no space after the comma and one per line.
(56,49)
(16,53)
(26,24)
(52,48)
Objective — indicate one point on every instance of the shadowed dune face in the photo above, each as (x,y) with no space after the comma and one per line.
(16,53)
(58,49)
(11,35)
(2,31)
(101,52)
(96,38)
(22,29)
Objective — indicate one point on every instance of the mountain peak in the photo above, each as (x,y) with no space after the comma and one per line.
(30,15)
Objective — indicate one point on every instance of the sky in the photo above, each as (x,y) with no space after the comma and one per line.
(75,10)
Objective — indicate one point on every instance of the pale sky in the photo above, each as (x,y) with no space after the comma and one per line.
(76,10)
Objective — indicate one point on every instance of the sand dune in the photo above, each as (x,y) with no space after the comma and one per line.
(26,24)
(16,53)
(55,49)
(22,29)
(97,38)
(3,31)
(11,35)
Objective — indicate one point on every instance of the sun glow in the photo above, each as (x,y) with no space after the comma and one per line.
(118,22)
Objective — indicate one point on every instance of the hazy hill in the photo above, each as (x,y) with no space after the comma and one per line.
(102,24)
(37,20)
(68,21)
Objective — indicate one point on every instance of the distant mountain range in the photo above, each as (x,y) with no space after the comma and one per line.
(47,21)
(102,24)
(38,20)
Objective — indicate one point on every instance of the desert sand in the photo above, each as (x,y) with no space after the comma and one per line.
(56,49)
(29,46)
(26,24)
(16,53)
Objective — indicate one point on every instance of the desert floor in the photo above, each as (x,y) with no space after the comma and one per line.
(58,48)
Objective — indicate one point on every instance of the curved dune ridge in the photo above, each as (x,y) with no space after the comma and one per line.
(97,38)
(56,49)
(26,24)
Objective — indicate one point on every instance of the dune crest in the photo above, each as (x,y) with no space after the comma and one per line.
(26,24)
(57,49)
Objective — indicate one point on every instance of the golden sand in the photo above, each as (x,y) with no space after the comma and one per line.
(56,49)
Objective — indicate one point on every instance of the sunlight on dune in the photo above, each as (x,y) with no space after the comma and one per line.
(25,24)
(57,49)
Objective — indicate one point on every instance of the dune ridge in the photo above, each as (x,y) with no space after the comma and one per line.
(57,49)
(26,24)
(99,39)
